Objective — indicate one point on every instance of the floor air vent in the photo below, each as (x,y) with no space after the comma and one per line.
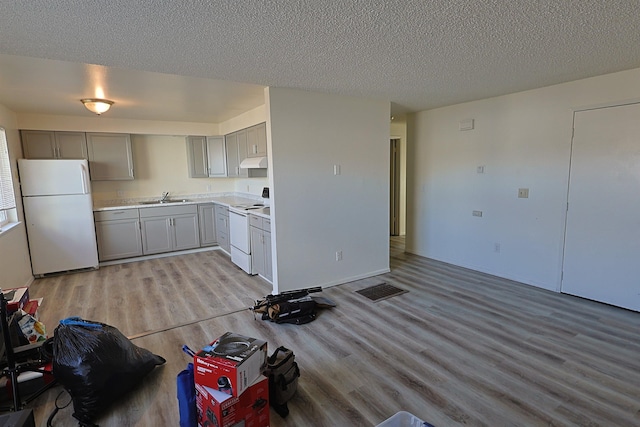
(380,292)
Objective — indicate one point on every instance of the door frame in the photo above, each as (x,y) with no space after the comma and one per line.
(394,187)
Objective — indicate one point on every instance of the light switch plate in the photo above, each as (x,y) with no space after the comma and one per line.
(465,124)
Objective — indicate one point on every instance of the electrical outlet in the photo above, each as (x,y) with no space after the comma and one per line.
(480,169)
(208,187)
(476,213)
(338,255)
(120,193)
(336,169)
(523,193)
(496,247)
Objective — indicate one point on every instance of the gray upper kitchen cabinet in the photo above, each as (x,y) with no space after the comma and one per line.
(216,156)
(38,144)
(171,228)
(207,223)
(236,146)
(197,157)
(110,156)
(207,157)
(257,140)
(118,234)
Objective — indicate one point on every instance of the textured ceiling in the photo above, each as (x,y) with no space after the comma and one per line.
(418,54)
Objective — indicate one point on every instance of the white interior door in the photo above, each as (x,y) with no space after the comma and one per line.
(602,246)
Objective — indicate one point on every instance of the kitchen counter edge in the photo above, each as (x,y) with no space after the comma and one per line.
(227,200)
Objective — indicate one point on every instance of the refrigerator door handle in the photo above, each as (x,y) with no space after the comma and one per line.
(84,176)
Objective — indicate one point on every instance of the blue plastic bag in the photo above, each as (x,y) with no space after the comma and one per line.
(187,397)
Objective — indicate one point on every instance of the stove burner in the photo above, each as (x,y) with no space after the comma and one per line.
(249,207)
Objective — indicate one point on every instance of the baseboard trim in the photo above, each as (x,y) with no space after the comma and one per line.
(162,255)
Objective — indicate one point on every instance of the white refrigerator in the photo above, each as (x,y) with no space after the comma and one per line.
(58,210)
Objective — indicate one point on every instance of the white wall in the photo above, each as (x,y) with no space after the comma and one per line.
(15,264)
(94,123)
(244,120)
(315,213)
(523,140)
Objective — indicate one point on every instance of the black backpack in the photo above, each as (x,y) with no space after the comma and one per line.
(295,307)
(283,372)
(296,312)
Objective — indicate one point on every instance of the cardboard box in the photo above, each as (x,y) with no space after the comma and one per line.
(250,409)
(231,363)
(31,307)
(16,298)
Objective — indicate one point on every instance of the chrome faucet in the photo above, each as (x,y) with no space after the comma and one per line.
(165,195)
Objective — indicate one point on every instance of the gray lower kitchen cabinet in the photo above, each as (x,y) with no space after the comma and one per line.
(118,234)
(207,222)
(261,246)
(171,228)
(42,144)
(268,268)
(222,227)
(110,156)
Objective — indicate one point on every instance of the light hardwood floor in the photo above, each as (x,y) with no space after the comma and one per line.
(460,348)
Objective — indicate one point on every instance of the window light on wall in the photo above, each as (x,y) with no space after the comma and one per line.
(7,197)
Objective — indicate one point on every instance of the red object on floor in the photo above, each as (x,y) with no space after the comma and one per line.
(216,408)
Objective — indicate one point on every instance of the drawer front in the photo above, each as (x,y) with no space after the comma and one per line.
(266,224)
(222,210)
(255,221)
(116,214)
(168,210)
(222,223)
(223,240)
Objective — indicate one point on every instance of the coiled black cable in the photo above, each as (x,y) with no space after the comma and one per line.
(57,408)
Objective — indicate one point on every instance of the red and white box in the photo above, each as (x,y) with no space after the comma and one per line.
(31,307)
(230,364)
(250,409)
(16,298)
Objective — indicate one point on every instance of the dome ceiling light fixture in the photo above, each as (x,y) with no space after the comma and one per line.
(97,105)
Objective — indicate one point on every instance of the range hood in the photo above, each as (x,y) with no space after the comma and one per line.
(254,163)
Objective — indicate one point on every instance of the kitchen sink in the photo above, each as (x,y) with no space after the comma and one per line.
(162,202)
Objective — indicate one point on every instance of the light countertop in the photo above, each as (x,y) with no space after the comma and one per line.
(226,199)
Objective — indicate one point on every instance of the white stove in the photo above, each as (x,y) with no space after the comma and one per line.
(240,238)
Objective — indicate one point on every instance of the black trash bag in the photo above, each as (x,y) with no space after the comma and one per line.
(97,364)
